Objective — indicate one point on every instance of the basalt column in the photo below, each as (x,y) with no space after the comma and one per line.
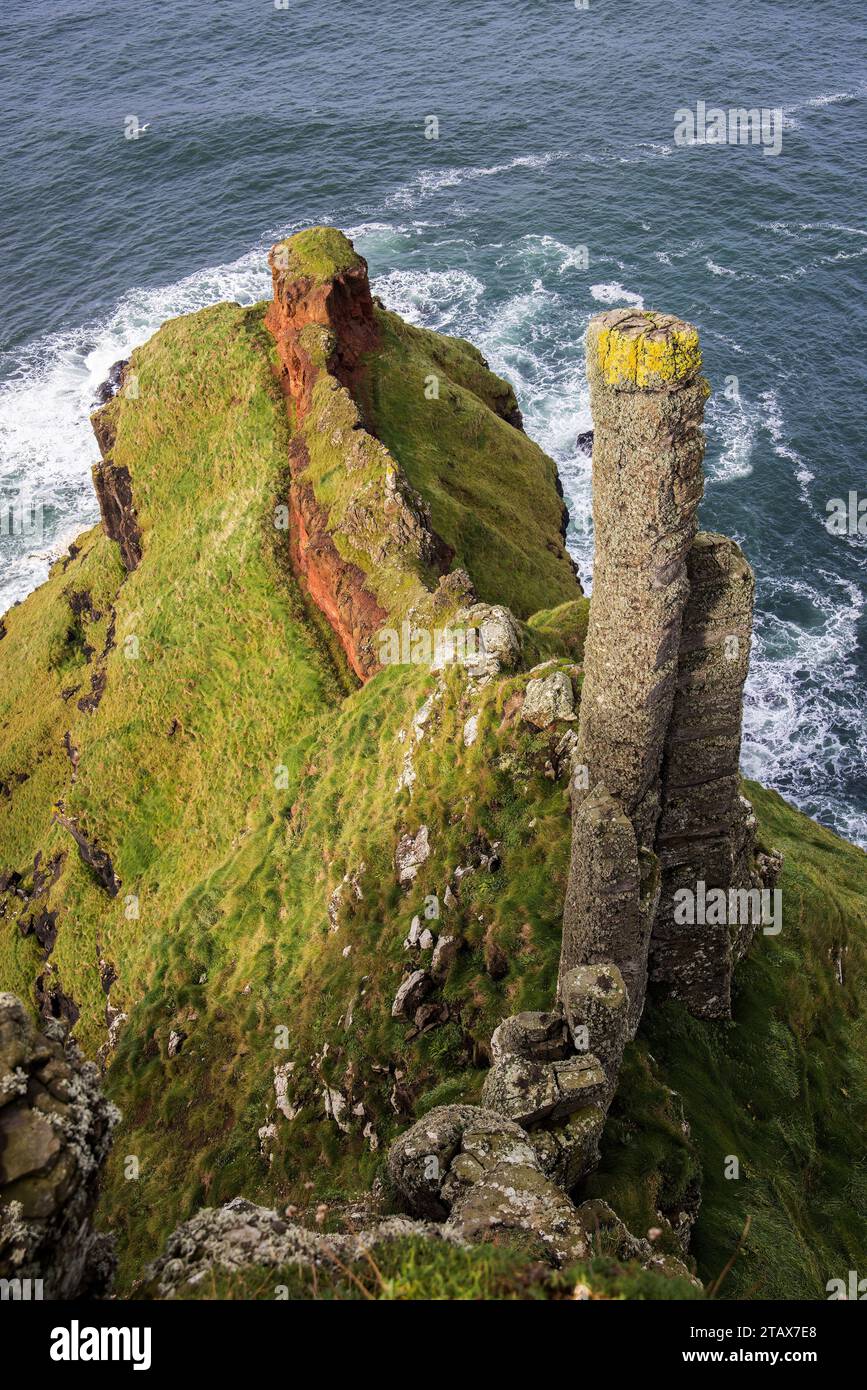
(704,829)
(647,397)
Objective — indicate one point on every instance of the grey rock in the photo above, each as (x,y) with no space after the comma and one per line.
(241,1235)
(539,1036)
(519,1200)
(450,1148)
(445,953)
(411,853)
(548,699)
(55,1134)
(596,1005)
(569,1150)
(414,989)
(500,638)
(531,1092)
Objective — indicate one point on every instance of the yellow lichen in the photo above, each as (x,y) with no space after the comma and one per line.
(648,358)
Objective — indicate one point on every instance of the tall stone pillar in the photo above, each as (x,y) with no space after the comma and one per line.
(647,397)
(704,822)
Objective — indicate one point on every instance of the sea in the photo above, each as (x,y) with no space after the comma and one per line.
(509,168)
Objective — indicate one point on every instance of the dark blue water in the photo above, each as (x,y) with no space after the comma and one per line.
(556,133)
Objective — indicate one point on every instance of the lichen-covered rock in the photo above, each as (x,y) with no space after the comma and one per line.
(548,699)
(411,853)
(444,955)
(500,639)
(241,1235)
(530,1092)
(647,397)
(520,1202)
(569,1150)
(703,833)
(602,917)
(596,1005)
(452,1147)
(55,1133)
(539,1036)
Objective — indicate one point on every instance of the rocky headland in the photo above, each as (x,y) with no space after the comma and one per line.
(377,940)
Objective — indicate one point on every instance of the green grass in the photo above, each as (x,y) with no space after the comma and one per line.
(318,253)
(491,490)
(417,1269)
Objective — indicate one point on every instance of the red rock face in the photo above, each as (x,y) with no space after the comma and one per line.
(344,306)
(336,586)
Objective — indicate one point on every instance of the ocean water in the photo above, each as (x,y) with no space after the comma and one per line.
(555,188)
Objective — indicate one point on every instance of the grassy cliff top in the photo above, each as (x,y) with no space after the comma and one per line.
(317,253)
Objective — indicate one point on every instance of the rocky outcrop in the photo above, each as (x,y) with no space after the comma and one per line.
(55,1133)
(547,699)
(337,586)
(91,854)
(113,486)
(602,920)
(480,1171)
(705,831)
(108,389)
(323,322)
(596,1007)
(240,1235)
(312,294)
(647,397)
(655,790)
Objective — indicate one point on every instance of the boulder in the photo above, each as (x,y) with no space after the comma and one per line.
(412,992)
(530,1092)
(596,1005)
(452,1147)
(241,1235)
(444,955)
(411,853)
(499,642)
(569,1150)
(548,699)
(540,1036)
(55,1134)
(520,1202)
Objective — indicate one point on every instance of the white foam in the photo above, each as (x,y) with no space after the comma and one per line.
(832,98)
(804,723)
(428,182)
(772,421)
(438,299)
(732,426)
(47,446)
(614,293)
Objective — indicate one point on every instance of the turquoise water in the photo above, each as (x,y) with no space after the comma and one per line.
(556,134)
